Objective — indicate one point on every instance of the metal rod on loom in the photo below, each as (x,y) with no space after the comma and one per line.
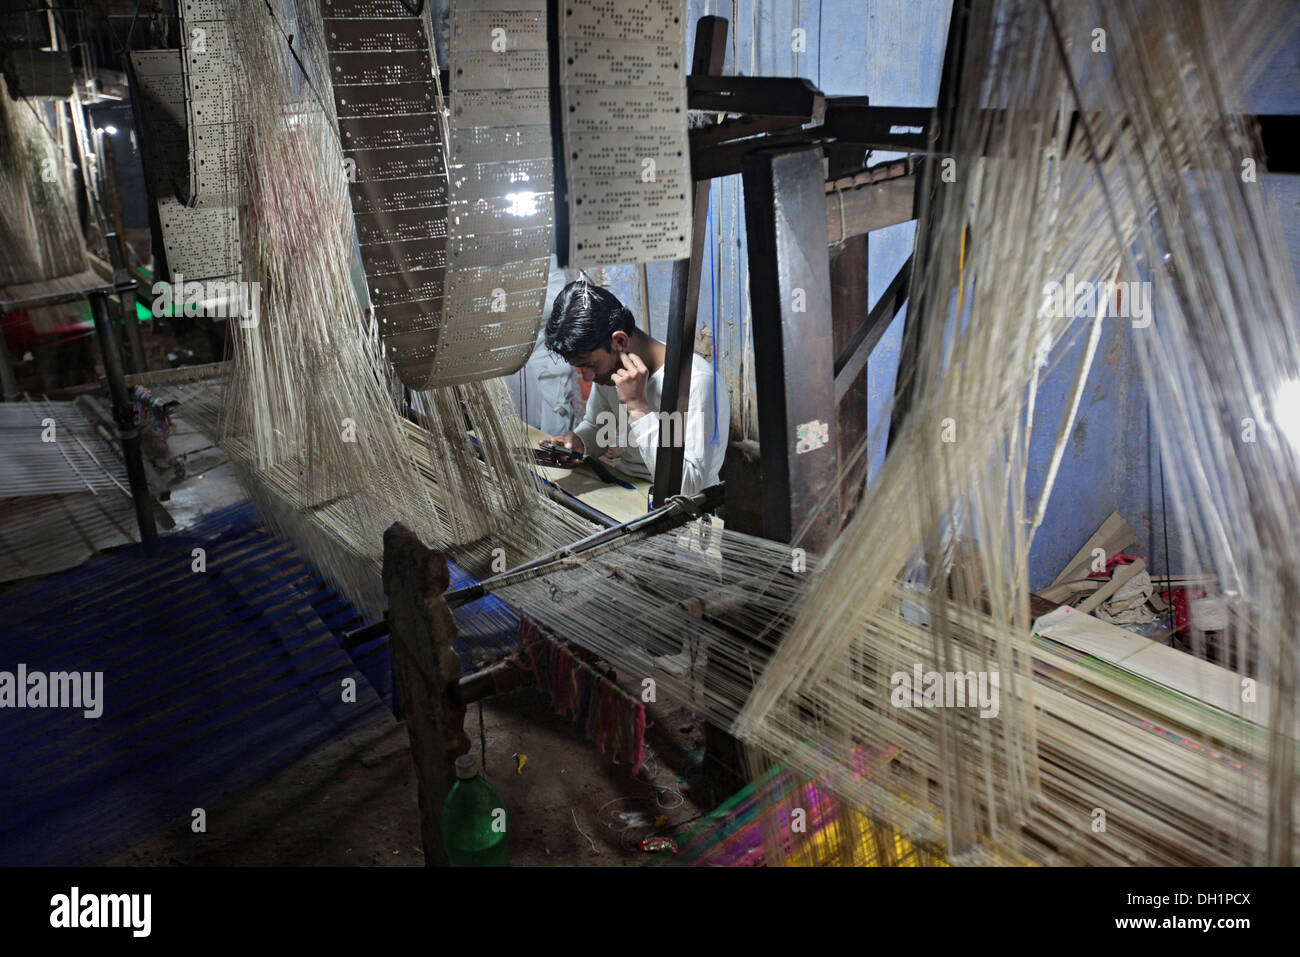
(127,431)
(359,636)
(679,510)
(575,504)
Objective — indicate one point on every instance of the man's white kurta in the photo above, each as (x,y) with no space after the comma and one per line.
(708,421)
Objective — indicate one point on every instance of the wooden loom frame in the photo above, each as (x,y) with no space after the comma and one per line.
(791,144)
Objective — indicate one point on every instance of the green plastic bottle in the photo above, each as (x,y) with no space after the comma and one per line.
(474,820)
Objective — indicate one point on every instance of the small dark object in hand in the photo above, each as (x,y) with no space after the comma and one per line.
(557,456)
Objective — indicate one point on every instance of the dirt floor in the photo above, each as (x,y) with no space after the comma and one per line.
(353,802)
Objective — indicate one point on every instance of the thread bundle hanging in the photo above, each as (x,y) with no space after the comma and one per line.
(602,712)
(38,225)
(313,415)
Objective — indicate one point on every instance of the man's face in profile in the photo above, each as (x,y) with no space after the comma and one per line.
(599,365)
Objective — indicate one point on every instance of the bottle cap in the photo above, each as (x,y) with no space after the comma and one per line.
(466,766)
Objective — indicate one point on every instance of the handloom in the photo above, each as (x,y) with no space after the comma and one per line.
(1062,171)
(45,267)
(1138,165)
(313,412)
(37,222)
(64,496)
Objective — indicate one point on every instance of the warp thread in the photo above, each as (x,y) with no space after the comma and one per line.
(602,712)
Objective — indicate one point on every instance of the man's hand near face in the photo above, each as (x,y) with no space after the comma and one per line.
(629,382)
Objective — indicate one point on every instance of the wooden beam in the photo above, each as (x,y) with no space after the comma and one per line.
(794,348)
(119,252)
(849,314)
(792,98)
(8,381)
(124,416)
(426,674)
(738,129)
(726,158)
(684,298)
(851,212)
(902,129)
(937,133)
(853,355)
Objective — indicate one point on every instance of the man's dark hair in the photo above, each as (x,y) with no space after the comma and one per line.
(584,318)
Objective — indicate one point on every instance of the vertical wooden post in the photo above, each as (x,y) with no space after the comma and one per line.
(684,298)
(849,309)
(925,202)
(426,673)
(794,354)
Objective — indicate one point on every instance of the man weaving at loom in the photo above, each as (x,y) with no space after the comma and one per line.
(595,333)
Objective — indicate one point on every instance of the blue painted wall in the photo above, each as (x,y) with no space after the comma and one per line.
(1111,462)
